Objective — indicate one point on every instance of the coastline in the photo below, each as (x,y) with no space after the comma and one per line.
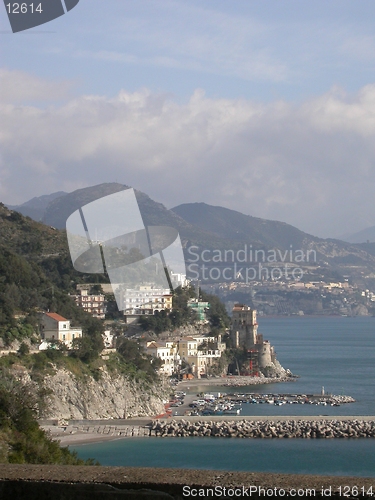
(96,431)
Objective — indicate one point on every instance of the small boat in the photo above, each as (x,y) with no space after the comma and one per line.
(232,411)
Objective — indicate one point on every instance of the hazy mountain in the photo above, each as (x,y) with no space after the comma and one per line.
(36,207)
(367,247)
(236,226)
(211,227)
(153,213)
(365,235)
(58,210)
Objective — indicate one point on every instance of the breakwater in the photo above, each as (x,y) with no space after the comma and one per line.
(237,427)
(301,428)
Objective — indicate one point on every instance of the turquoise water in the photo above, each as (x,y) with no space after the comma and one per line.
(337,353)
(327,457)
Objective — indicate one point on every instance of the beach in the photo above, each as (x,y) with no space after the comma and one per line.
(95,431)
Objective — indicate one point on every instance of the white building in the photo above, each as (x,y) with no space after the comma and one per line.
(54,327)
(144,299)
(178,279)
(167,352)
(200,352)
(108,339)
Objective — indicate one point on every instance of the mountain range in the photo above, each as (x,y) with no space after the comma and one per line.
(36,207)
(213,228)
(366,235)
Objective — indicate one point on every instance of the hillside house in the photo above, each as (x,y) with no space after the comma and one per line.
(54,327)
(201,352)
(167,352)
(91,303)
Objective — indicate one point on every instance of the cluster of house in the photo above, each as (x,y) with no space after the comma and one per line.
(144,300)
(194,354)
(198,353)
(135,302)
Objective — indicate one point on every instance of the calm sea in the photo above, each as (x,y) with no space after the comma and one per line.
(337,353)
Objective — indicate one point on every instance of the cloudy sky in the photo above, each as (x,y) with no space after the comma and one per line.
(267,108)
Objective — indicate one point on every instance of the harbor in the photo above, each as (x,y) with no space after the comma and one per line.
(219,403)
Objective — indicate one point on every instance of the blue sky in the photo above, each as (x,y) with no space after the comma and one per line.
(263,107)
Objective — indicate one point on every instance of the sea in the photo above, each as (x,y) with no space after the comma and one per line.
(334,353)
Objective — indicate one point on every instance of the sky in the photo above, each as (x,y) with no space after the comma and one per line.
(267,108)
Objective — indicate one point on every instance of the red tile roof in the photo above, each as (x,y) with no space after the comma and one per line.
(56,317)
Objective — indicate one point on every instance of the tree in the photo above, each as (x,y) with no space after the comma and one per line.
(23,349)
(217,314)
(86,349)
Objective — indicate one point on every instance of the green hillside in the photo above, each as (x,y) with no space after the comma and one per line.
(36,274)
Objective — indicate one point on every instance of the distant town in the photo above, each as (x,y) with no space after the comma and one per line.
(287,298)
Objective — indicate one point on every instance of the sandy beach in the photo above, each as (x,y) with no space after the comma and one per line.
(98,431)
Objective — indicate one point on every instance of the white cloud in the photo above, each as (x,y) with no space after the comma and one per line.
(18,86)
(311,164)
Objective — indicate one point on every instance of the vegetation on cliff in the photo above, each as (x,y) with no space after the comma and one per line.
(21,439)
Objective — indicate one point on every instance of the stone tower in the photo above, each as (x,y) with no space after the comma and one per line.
(244,333)
(244,326)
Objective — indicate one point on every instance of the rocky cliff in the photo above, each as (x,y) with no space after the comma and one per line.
(111,396)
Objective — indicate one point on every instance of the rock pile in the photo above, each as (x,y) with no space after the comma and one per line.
(325,429)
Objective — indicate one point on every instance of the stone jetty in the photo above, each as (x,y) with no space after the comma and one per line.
(301,428)
(318,427)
